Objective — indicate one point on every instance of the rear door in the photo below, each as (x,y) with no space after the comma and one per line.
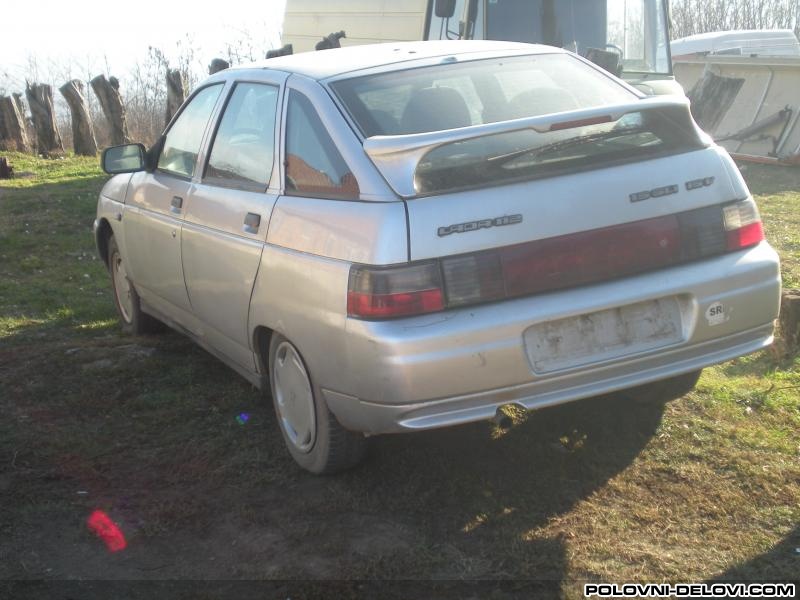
(228,215)
(154,213)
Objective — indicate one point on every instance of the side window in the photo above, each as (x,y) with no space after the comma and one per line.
(314,166)
(244,145)
(182,145)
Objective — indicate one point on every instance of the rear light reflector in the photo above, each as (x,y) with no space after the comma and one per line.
(381,293)
(474,278)
(742,224)
(589,256)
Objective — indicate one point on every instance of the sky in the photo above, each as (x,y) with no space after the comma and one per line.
(64,38)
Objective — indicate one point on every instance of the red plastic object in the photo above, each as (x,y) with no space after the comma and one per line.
(104,528)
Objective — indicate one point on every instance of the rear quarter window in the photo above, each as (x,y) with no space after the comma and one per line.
(314,167)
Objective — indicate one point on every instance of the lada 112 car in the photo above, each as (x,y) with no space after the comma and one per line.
(409,236)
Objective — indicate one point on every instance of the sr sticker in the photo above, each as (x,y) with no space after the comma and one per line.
(715,314)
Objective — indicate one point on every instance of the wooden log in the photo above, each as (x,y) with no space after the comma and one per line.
(20,106)
(330,41)
(176,93)
(40,100)
(17,96)
(6,170)
(789,322)
(217,65)
(286,50)
(14,124)
(3,131)
(83,141)
(107,92)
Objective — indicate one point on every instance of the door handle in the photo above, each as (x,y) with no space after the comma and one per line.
(252,222)
(176,205)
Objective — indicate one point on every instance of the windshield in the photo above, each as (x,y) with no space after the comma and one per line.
(635,29)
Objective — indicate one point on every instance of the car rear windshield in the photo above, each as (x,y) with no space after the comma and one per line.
(456,94)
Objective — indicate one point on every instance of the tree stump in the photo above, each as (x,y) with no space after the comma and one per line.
(40,100)
(6,170)
(217,65)
(16,134)
(330,41)
(3,130)
(175,93)
(83,141)
(107,92)
(20,106)
(790,322)
(283,51)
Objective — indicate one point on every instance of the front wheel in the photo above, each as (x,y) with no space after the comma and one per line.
(125,297)
(313,436)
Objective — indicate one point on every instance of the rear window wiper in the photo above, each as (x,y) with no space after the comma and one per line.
(502,159)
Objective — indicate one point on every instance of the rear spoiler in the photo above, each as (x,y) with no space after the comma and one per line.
(397,156)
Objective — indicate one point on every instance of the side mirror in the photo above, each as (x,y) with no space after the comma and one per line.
(444,9)
(127,158)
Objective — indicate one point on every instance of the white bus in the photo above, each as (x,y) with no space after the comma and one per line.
(635,33)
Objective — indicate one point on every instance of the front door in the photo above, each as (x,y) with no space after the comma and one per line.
(155,210)
(228,216)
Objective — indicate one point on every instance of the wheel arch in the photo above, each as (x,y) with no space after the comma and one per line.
(262,336)
(102,235)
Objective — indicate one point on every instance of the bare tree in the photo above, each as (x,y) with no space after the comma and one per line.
(700,16)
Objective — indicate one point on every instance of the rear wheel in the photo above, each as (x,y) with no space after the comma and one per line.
(661,392)
(313,436)
(125,297)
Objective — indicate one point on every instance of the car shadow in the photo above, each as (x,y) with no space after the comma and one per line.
(772,565)
(483,496)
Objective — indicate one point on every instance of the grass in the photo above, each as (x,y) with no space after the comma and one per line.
(145,429)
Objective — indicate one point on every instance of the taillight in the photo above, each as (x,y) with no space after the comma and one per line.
(742,225)
(386,292)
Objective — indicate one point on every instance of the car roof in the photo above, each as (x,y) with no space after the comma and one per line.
(324,64)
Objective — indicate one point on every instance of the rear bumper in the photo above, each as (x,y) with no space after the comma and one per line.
(460,366)
(385,418)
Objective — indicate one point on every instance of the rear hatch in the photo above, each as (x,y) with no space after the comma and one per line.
(616,186)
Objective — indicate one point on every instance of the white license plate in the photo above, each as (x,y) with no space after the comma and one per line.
(603,335)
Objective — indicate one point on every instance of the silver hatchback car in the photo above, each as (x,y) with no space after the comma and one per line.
(410,236)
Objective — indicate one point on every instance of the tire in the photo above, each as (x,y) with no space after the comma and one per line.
(126,299)
(661,392)
(313,436)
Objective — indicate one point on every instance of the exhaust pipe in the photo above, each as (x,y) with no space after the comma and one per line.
(501,419)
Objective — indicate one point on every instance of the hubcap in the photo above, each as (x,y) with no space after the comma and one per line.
(122,287)
(295,400)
